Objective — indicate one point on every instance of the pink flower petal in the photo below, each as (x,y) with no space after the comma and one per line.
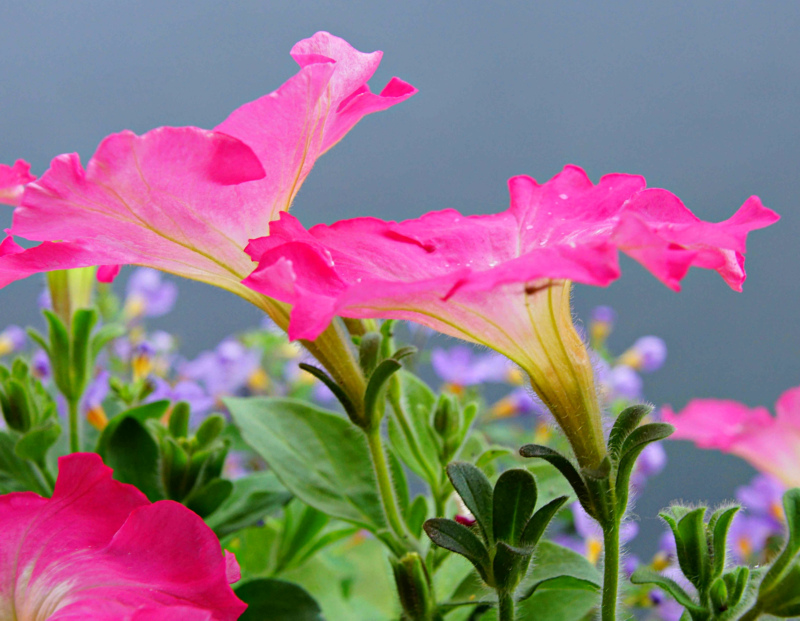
(187,200)
(13,180)
(99,550)
(770,444)
(455,273)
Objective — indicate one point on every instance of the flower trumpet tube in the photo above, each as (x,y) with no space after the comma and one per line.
(186,200)
(503,280)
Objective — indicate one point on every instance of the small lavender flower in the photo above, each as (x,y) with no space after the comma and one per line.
(764,497)
(92,402)
(200,402)
(601,323)
(147,295)
(460,366)
(589,539)
(651,462)
(518,402)
(12,339)
(40,365)
(647,354)
(748,536)
(624,383)
(224,371)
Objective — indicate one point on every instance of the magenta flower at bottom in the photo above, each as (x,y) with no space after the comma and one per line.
(503,280)
(98,550)
(770,444)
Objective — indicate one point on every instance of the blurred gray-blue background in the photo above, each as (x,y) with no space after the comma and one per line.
(700,98)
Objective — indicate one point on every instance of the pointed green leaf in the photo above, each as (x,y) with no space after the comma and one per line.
(513,501)
(536,526)
(81,359)
(133,454)
(337,390)
(629,453)
(416,515)
(782,564)
(35,444)
(59,353)
(269,599)
(209,498)
(376,384)
(692,548)
(565,467)
(142,413)
(476,491)
(319,456)
(509,565)
(457,538)
(104,336)
(253,497)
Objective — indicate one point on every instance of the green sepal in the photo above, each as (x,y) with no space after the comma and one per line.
(338,392)
(404,352)
(539,521)
(514,499)
(414,587)
(633,445)
(254,496)
(783,598)
(368,352)
(451,535)
(791,508)
(209,430)
(644,575)
(179,420)
(736,581)
(692,547)
(156,409)
(627,421)
(476,491)
(718,593)
(80,353)
(104,335)
(719,524)
(373,395)
(59,353)
(565,467)
(18,410)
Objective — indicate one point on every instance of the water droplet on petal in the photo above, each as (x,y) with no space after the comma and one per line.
(563,197)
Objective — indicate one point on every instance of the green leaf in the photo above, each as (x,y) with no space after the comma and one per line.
(555,561)
(626,422)
(133,454)
(104,336)
(791,509)
(209,430)
(141,413)
(451,535)
(721,521)
(399,481)
(179,420)
(269,599)
(560,599)
(489,455)
(368,351)
(319,456)
(565,467)
(513,501)
(35,444)
(476,491)
(536,526)
(16,474)
(414,442)
(692,548)
(643,575)
(416,515)
(253,497)
(59,353)
(207,499)
(550,483)
(337,390)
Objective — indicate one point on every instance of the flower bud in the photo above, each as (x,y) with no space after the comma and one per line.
(414,587)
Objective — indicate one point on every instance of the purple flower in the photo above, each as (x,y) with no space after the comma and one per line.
(518,401)
(601,324)
(764,497)
(200,403)
(748,535)
(624,383)
(12,339)
(147,295)
(647,354)
(590,536)
(92,402)
(40,365)
(224,371)
(460,366)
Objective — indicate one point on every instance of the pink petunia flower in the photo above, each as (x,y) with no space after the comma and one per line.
(98,550)
(187,200)
(770,444)
(13,180)
(502,280)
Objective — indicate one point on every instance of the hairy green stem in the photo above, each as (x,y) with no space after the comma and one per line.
(505,606)
(74,427)
(752,614)
(387,493)
(610,570)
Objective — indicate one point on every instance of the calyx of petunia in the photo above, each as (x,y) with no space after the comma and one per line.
(502,280)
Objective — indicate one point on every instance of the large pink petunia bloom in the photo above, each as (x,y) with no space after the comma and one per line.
(770,444)
(98,550)
(502,280)
(13,180)
(187,200)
